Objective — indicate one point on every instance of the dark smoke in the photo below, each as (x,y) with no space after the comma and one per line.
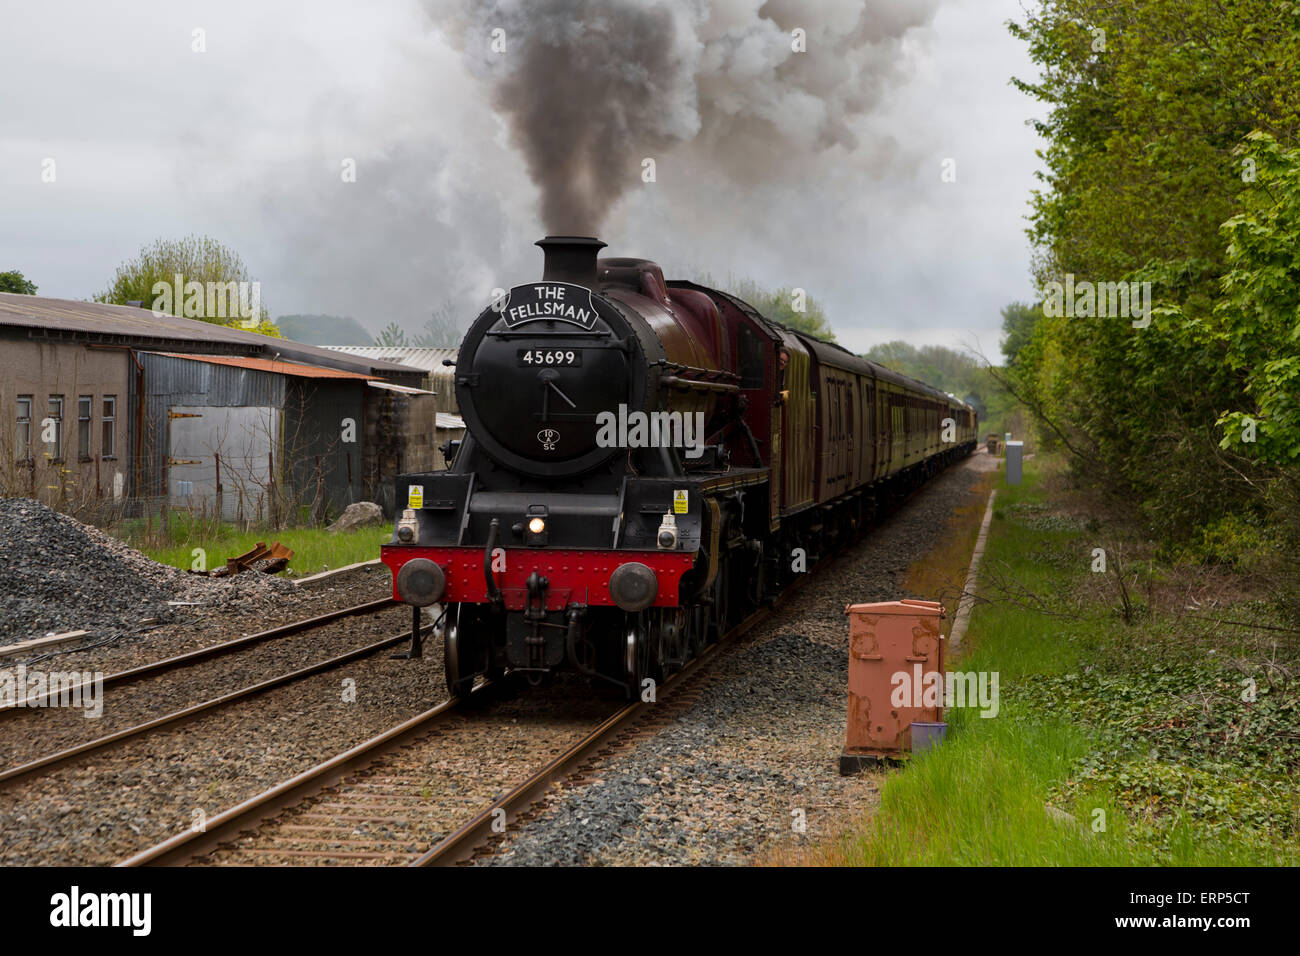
(590,89)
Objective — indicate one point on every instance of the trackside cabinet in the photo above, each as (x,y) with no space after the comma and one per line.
(893,646)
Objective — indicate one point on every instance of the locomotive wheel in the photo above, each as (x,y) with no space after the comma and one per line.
(640,656)
(455,661)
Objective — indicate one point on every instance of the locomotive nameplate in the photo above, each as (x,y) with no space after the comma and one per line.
(548,301)
(543,358)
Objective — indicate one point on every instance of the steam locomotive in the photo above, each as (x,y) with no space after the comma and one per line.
(646,463)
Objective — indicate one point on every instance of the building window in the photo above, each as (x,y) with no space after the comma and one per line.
(85,406)
(109,447)
(52,428)
(24,442)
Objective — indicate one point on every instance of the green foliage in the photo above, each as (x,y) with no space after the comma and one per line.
(15,281)
(1018,321)
(150,279)
(1182,736)
(323,329)
(1154,110)
(1258,319)
(1233,540)
(314,549)
(793,308)
(439,330)
(955,372)
(392,335)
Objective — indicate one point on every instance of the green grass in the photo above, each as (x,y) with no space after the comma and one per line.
(1137,731)
(315,549)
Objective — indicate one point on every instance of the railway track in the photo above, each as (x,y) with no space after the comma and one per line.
(212,651)
(107,742)
(373,803)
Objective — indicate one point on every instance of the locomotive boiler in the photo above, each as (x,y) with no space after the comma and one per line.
(645,463)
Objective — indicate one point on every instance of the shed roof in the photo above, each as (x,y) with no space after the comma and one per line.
(270,365)
(48,318)
(428,359)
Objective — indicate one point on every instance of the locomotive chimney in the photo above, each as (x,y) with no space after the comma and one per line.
(570,259)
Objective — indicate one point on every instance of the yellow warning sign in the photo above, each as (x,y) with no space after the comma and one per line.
(679,501)
(415,496)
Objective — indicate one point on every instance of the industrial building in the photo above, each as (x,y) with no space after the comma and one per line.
(118,411)
(439,378)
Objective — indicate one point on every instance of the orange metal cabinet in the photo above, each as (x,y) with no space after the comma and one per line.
(893,645)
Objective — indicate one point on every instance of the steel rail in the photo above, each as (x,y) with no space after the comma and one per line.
(227,825)
(203,653)
(110,740)
(461,844)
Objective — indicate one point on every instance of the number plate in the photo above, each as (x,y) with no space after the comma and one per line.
(544,358)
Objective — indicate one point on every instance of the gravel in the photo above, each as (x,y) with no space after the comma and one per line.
(57,574)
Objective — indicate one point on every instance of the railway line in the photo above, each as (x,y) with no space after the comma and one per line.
(52,761)
(376,804)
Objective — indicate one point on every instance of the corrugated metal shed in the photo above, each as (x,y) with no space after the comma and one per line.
(39,317)
(400,389)
(428,359)
(439,378)
(175,383)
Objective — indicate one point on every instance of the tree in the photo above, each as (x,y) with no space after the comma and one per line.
(323,329)
(440,330)
(392,335)
(1147,105)
(1018,321)
(15,281)
(196,277)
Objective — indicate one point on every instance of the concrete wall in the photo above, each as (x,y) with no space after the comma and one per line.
(82,474)
(401,438)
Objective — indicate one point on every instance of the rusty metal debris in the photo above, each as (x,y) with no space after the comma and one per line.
(261,558)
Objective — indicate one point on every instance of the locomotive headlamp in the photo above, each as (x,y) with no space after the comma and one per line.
(536,535)
(407,526)
(668,532)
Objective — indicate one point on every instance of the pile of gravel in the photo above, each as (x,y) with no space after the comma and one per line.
(57,574)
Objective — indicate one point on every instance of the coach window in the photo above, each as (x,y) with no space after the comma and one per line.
(751,359)
(109,447)
(53,428)
(85,407)
(24,437)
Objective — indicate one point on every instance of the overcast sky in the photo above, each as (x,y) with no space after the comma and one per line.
(245,142)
